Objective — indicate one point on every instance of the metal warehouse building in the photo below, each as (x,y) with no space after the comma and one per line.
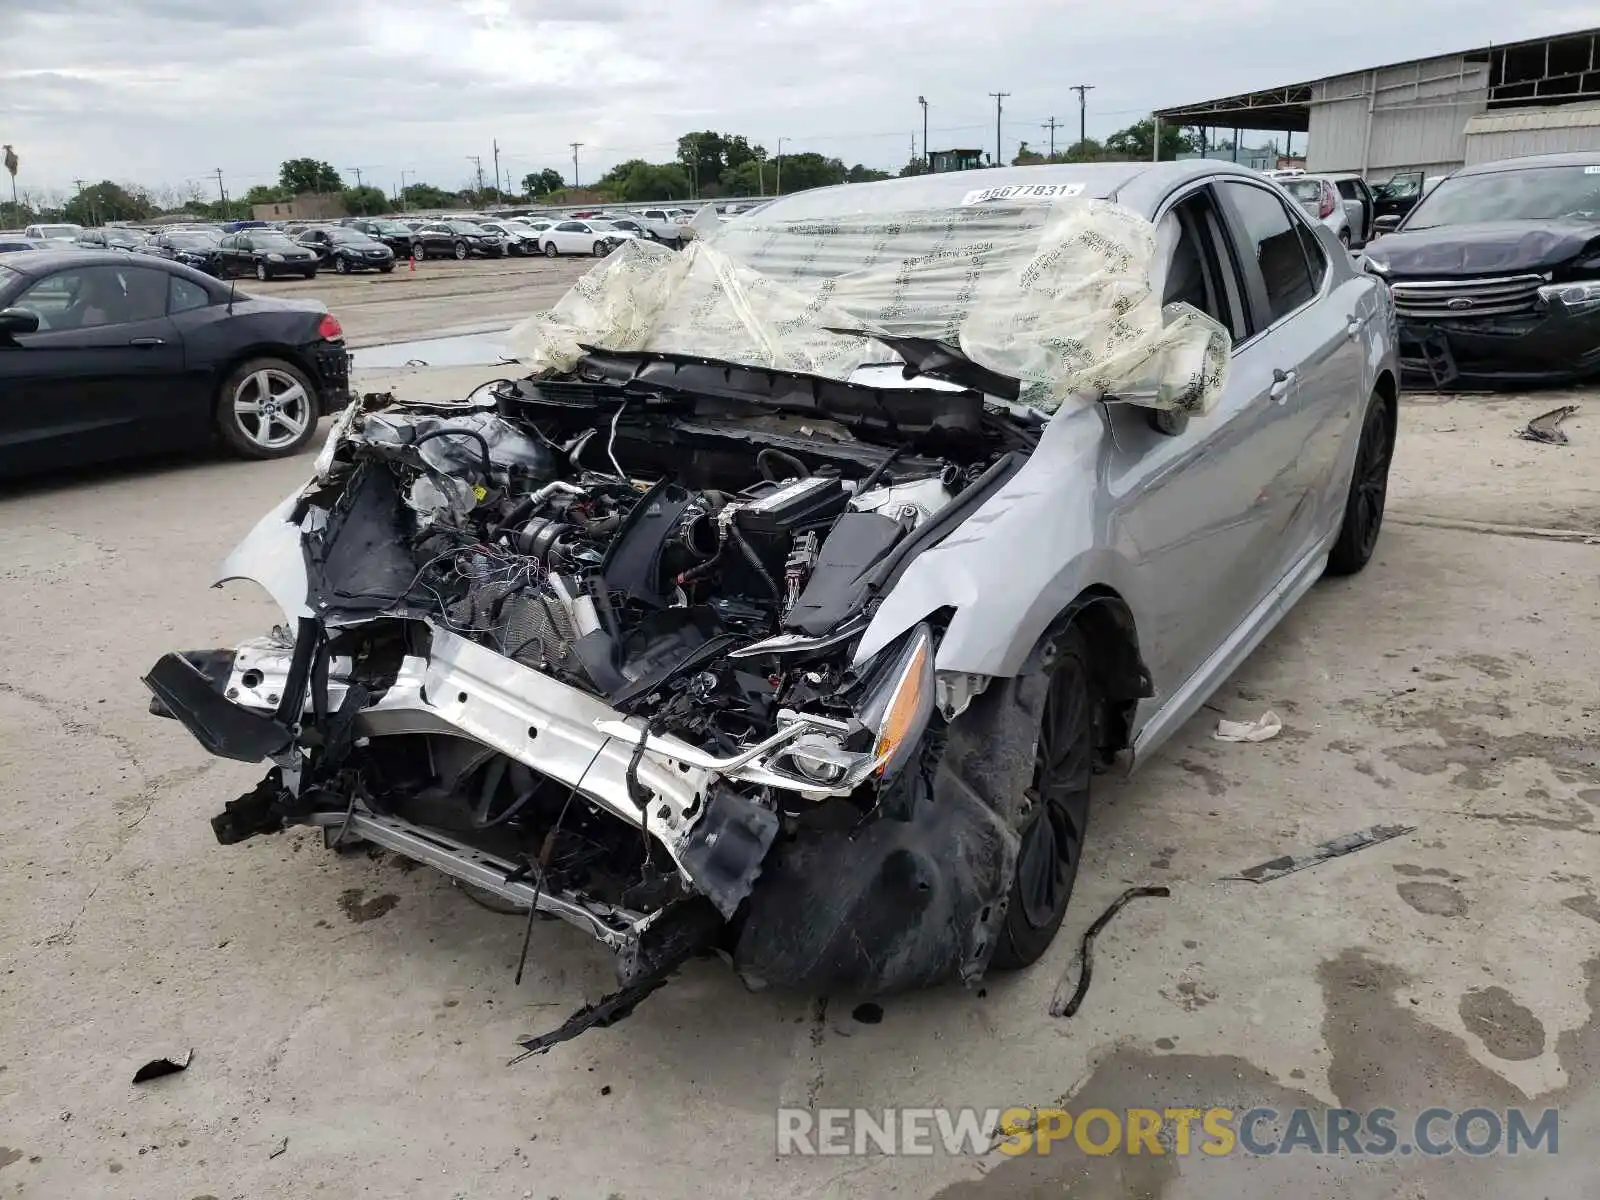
(1430,114)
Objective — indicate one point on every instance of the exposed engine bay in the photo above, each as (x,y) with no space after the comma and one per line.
(588,643)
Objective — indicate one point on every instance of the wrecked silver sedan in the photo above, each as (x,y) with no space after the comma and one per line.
(788,605)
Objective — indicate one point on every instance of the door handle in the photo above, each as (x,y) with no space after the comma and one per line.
(1282,384)
(1354,324)
(145,343)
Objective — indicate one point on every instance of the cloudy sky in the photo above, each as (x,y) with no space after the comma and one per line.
(164,92)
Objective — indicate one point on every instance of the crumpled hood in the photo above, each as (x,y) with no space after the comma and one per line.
(1482,249)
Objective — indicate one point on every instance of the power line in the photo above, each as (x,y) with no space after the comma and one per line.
(1051,126)
(1083,90)
(999,99)
(576,146)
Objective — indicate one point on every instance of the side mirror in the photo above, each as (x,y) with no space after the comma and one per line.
(18,320)
(1387,223)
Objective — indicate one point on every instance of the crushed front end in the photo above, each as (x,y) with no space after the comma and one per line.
(587,645)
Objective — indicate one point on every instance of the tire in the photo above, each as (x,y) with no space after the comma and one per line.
(290,424)
(1369,487)
(997,747)
(419,251)
(386,269)
(461,251)
(261,272)
(341,266)
(311,274)
(550,250)
(600,250)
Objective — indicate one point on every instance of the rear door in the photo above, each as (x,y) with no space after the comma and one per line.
(101,377)
(1311,351)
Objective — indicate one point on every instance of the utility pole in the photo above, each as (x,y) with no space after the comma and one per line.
(922,100)
(222,194)
(497,166)
(1051,126)
(1083,90)
(477,160)
(777,188)
(403,175)
(356,171)
(999,100)
(576,146)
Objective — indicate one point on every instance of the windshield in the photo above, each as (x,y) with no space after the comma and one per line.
(1307,191)
(390,227)
(196,240)
(60,231)
(347,235)
(462,227)
(272,241)
(1534,194)
(123,239)
(601,226)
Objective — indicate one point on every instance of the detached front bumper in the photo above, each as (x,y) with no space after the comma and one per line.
(1550,347)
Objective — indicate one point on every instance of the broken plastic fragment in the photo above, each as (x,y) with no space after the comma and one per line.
(156,1068)
(1267,726)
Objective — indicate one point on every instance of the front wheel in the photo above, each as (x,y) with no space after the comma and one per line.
(341,266)
(1369,487)
(261,272)
(267,408)
(550,250)
(418,251)
(311,274)
(387,269)
(461,251)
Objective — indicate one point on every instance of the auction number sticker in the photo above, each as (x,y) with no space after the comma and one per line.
(1024,191)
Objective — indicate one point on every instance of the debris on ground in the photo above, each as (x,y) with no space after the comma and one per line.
(1058,1008)
(282,1146)
(1265,727)
(1337,847)
(158,1067)
(1546,427)
(608,1010)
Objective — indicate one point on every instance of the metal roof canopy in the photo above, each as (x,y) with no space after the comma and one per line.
(1288,108)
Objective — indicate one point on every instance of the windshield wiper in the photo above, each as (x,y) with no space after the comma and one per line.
(940,360)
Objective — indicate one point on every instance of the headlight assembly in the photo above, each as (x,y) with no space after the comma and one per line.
(1583,297)
(897,710)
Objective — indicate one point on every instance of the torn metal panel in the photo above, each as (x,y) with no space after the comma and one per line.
(1348,843)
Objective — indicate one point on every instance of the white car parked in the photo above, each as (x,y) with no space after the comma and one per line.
(519,238)
(595,237)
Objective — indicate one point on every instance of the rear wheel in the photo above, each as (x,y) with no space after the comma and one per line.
(267,408)
(418,251)
(1369,487)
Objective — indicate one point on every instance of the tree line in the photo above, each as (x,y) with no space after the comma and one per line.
(709,165)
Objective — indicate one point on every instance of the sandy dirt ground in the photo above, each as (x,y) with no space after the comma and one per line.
(351,1017)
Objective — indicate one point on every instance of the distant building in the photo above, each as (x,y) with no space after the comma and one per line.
(954,160)
(308,206)
(1259,158)
(1430,114)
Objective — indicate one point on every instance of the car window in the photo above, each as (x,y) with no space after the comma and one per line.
(1201,270)
(1271,236)
(91,297)
(183,295)
(571,227)
(245,243)
(1347,189)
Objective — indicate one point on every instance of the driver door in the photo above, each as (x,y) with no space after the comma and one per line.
(103,376)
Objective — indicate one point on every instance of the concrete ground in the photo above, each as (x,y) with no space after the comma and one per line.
(351,1018)
(441,296)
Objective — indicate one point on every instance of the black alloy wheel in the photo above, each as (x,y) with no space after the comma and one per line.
(1053,830)
(1369,488)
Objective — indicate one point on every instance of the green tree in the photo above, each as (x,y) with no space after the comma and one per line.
(809,170)
(365,201)
(261,194)
(425,195)
(300,175)
(1087,150)
(861,174)
(542,182)
(636,180)
(1137,142)
(707,155)
(917,166)
(107,201)
(750,178)
(1027,157)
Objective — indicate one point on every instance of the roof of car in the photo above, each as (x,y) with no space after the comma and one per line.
(39,262)
(947,189)
(1579,158)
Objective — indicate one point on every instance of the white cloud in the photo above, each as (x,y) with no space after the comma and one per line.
(164,91)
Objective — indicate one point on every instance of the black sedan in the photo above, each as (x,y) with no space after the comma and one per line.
(458,239)
(108,355)
(266,254)
(347,250)
(195,248)
(391,233)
